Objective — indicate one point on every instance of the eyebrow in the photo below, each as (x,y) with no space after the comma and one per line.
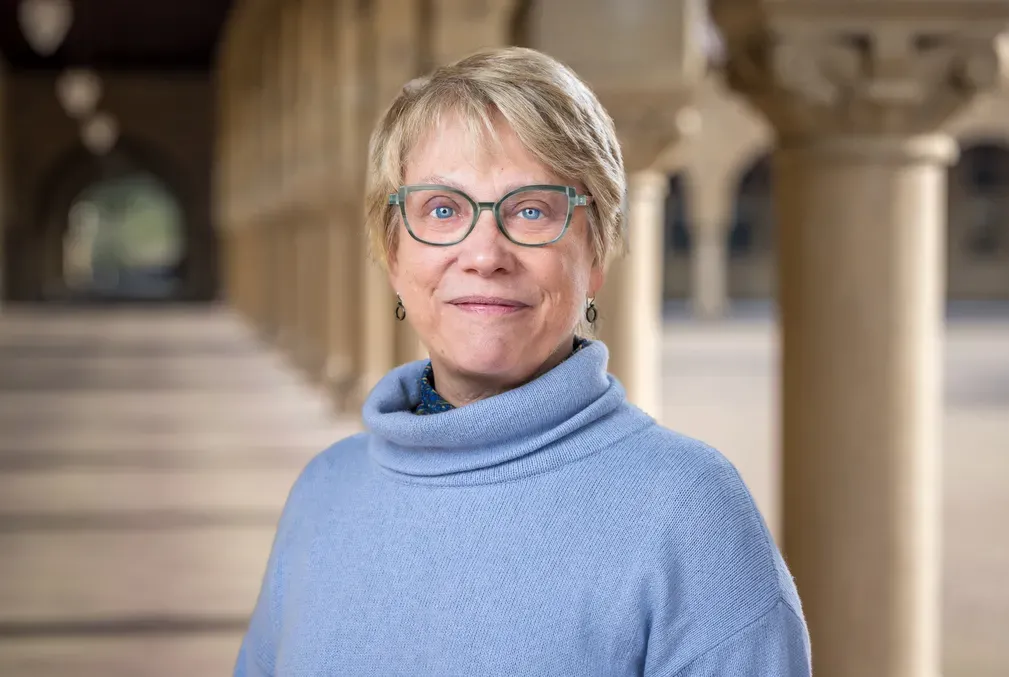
(444,181)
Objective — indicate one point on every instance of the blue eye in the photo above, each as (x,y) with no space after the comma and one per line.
(531,213)
(443,212)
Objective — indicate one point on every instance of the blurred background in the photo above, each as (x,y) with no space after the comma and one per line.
(816,285)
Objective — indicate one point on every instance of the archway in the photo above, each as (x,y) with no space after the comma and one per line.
(978,223)
(182,268)
(124,240)
(677,242)
(751,238)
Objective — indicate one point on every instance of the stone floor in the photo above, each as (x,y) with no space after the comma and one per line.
(144,456)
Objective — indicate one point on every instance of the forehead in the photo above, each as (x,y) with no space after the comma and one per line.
(467,155)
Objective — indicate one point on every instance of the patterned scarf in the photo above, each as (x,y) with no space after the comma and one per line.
(433,403)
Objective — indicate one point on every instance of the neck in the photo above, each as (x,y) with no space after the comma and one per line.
(460,388)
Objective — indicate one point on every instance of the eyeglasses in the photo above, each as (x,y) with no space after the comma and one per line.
(531,216)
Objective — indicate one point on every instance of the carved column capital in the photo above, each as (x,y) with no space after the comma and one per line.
(647,123)
(889,67)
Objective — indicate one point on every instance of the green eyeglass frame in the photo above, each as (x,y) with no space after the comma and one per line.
(574,200)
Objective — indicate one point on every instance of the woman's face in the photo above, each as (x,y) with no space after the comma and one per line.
(486,307)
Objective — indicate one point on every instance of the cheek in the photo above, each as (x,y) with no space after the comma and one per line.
(418,269)
(563,276)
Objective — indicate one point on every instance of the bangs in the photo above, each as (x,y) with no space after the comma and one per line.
(431,113)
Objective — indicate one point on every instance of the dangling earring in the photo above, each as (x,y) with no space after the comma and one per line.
(590,311)
(400,309)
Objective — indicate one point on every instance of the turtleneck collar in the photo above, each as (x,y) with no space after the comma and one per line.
(573,410)
(433,403)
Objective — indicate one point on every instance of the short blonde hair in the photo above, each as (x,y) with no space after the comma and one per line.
(553,112)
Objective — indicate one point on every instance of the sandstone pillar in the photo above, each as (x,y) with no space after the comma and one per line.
(342,326)
(287,271)
(301,228)
(631,307)
(265,192)
(710,208)
(341,100)
(857,92)
(347,361)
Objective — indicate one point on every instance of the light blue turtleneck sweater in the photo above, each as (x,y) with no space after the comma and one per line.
(550,531)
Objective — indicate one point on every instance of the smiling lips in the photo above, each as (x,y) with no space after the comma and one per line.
(488,305)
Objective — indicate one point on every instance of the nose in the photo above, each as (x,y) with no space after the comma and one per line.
(486,251)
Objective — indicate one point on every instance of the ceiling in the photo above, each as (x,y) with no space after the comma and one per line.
(126,35)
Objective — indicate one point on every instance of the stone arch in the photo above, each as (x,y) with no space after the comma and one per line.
(125,241)
(751,233)
(35,247)
(977,246)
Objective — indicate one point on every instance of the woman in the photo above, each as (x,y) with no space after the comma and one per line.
(508,513)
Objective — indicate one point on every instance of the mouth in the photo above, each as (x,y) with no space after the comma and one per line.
(488,305)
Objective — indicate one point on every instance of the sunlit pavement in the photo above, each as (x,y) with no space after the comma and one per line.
(144,457)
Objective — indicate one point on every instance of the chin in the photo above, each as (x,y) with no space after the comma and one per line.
(505,356)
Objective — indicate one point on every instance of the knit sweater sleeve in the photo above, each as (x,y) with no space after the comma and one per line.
(721,601)
(257,655)
(775,645)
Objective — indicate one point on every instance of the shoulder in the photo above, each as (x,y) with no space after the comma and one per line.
(338,463)
(713,558)
(687,479)
(707,517)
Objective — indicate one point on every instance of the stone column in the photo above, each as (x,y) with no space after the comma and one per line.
(286,131)
(287,285)
(710,207)
(861,319)
(264,193)
(236,251)
(318,59)
(857,92)
(631,306)
(301,228)
(266,260)
(288,89)
(348,335)
(337,279)
(342,326)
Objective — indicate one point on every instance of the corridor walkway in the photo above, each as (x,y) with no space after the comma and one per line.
(144,456)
